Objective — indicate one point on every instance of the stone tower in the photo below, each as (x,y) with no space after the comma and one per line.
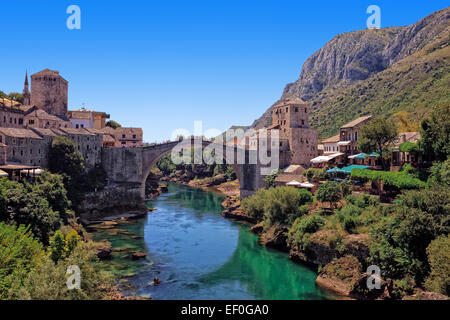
(26,91)
(49,91)
(291,117)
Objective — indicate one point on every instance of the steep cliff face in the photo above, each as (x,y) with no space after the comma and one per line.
(356,67)
(345,59)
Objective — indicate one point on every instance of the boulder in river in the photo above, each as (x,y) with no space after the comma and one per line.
(103,249)
(138,255)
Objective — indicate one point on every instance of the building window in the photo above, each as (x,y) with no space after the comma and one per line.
(134,136)
(20,121)
(306,111)
(296,109)
(77,126)
(82,125)
(31,121)
(123,136)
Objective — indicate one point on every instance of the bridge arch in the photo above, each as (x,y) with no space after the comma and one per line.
(247,174)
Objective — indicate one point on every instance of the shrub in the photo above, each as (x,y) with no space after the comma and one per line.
(439,259)
(304,226)
(329,192)
(280,205)
(254,205)
(399,180)
(48,280)
(19,253)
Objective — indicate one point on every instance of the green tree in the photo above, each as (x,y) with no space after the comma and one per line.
(329,192)
(28,206)
(270,179)
(20,252)
(378,135)
(440,173)
(439,259)
(57,247)
(16,96)
(65,160)
(113,124)
(435,133)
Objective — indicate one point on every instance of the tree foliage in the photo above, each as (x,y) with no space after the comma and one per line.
(378,135)
(435,133)
(439,259)
(280,205)
(20,252)
(113,124)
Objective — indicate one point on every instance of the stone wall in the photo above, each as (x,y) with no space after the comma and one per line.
(11,118)
(123,165)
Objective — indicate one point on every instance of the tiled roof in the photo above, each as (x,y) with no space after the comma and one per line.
(285,178)
(122,130)
(59,132)
(93,130)
(294,169)
(19,133)
(76,131)
(42,115)
(332,139)
(288,101)
(81,115)
(108,138)
(356,122)
(44,132)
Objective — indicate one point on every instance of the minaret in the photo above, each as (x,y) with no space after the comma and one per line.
(26,91)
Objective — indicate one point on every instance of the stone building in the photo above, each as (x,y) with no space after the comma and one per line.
(49,91)
(38,118)
(291,117)
(23,146)
(88,119)
(11,117)
(89,144)
(125,137)
(349,133)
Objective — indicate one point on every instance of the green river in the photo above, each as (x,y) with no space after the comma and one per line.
(198,254)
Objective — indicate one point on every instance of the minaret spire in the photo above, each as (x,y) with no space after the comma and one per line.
(26,91)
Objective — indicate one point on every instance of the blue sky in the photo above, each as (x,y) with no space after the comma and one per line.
(161,65)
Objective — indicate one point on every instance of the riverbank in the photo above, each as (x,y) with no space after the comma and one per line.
(340,258)
(196,254)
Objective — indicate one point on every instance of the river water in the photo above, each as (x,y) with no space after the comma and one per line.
(198,254)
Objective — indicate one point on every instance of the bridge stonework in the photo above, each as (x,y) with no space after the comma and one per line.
(130,167)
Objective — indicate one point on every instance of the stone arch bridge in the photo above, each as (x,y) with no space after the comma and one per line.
(130,167)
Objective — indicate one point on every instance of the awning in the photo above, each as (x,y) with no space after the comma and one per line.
(3,173)
(322,159)
(347,170)
(344,143)
(358,156)
(32,172)
(306,185)
(293,183)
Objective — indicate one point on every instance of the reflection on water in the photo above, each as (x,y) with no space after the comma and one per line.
(197,254)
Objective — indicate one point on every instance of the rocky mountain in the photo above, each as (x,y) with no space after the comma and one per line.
(375,72)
